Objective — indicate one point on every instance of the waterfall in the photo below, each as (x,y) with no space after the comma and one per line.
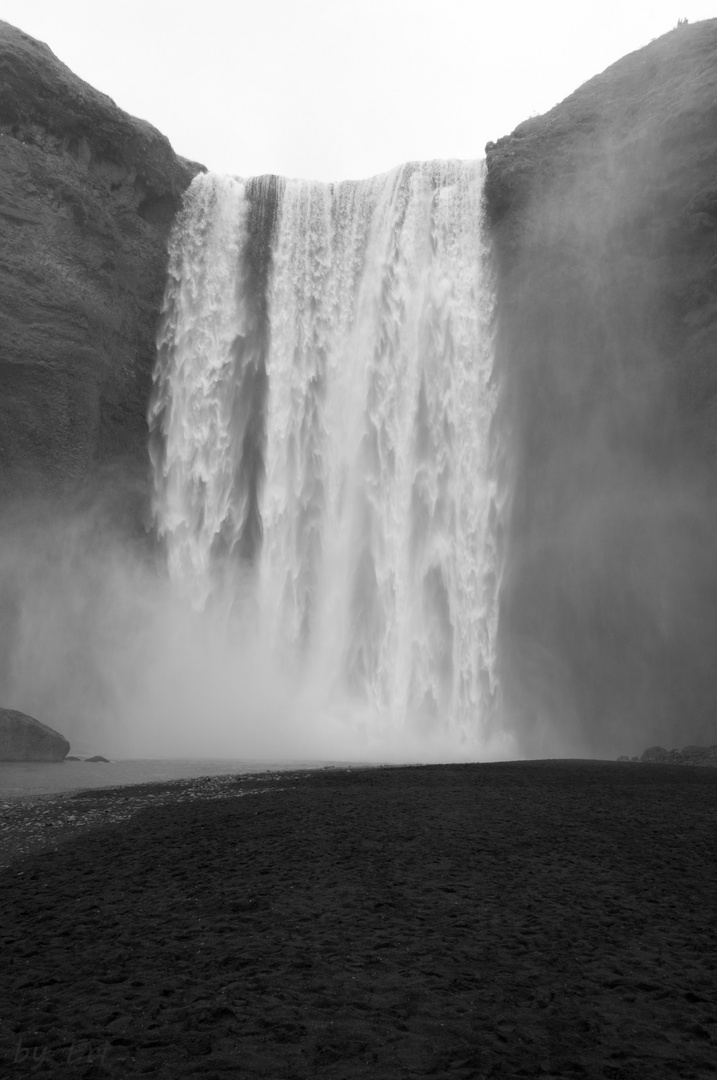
(320,437)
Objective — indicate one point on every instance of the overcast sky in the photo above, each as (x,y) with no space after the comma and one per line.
(330,89)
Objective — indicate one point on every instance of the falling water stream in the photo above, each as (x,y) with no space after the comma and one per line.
(320,437)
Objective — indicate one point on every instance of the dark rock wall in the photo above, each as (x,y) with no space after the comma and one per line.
(87,196)
(604,215)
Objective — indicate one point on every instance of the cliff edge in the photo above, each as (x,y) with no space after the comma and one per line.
(87,197)
(604,221)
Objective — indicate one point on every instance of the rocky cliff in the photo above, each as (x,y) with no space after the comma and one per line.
(87,196)
(604,215)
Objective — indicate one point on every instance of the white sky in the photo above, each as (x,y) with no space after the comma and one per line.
(330,89)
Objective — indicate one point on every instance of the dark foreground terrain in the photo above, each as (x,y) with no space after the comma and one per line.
(519,919)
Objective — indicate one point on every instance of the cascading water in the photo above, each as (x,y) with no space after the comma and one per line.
(320,438)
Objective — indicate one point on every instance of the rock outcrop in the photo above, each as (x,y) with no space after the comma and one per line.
(24,739)
(690,755)
(87,196)
(604,216)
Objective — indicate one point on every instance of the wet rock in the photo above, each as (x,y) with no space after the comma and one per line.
(23,738)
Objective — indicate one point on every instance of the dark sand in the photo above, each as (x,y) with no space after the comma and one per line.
(517,919)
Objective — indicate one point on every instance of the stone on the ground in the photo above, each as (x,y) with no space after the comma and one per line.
(23,738)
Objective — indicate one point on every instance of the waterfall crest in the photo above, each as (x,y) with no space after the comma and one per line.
(320,436)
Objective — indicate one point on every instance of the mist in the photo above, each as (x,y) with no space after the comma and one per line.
(97,644)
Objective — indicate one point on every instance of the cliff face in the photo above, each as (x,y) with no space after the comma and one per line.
(604,215)
(87,197)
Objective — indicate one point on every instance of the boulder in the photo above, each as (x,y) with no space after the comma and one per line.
(24,739)
(655,753)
